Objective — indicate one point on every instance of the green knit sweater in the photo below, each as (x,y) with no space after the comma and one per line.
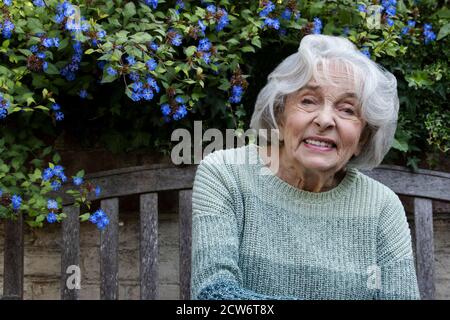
(254,236)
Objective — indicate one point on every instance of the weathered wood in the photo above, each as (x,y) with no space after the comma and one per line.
(423,220)
(148,245)
(13,259)
(144,180)
(109,253)
(185,218)
(425,184)
(70,256)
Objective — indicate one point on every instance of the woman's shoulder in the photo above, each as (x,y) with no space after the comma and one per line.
(243,155)
(383,192)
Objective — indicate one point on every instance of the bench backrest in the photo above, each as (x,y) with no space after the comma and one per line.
(147,181)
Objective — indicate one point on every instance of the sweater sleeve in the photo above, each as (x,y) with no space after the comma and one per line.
(394,253)
(215,274)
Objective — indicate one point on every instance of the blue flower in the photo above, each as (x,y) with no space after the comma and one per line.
(39,3)
(56,42)
(179,99)
(165,109)
(411,23)
(100,219)
(83,93)
(147,94)
(101,34)
(40,55)
(56,107)
(137,86)
(56,185)
(390,22)
(366,52)
(131,61)
(104,221)
(287,13)
(111,71)
(317,26)
(58,171)
(272,23)
(134,76)
(77,181)
(206,56)
(152,3)
(98,190)
(8,27)
(201,25)
(362,8)
(204,45)
(136,96)
(211,8)
(176,38)
(59,116)
(429,35)
(52,204)
(34,48)
(152,83)
(1,192)
(151,64)
(391,10)
(223,21)
(153,46)
(52,218)
(47,174)
(47,42)
(236,94)
(16,201)
(7,2)
(180,113)
(268,8)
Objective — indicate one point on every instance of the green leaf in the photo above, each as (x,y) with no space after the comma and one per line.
(129,10)
(400,145)
(443,32)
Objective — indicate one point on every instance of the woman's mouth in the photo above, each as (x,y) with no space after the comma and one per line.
(318,145)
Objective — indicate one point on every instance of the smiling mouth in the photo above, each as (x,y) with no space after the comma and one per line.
(327,146)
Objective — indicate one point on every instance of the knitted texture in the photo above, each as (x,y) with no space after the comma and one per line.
(256,237)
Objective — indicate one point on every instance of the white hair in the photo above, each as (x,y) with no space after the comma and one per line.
(375,87)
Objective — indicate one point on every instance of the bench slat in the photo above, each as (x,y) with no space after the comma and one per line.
(13,259)
(423,221)
(185,223)
(148,245)
(109,253)
(70,255)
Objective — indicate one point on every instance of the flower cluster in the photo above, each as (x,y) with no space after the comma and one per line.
(143,90)
(52,206)
(238,84)
(100,219)
(218,15)
(428,33)
(267,8)
(390,7)
(56,175)
(70,69)
(7,28)
(4,105)
(59,115)
(36,61)
(152,3)
(177,109)
(317,29)
(409,27)
(39,3)
(204,49)
(174,38)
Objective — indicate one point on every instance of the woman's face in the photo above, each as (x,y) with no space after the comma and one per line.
(327,112)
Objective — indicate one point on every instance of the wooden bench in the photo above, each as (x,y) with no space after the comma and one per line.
(147,181)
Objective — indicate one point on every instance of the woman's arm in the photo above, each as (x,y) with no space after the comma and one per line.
(394,253)
(215,239)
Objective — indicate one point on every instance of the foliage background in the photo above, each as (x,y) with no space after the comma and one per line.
(105,49)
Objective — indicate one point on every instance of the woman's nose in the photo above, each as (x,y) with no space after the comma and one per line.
(325,117)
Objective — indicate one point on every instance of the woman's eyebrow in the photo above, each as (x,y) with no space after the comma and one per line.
(348,95)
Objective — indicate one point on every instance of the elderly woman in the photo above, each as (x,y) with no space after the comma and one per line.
(312,226)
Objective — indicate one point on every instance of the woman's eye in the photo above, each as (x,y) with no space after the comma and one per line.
(348,110)
(307,101)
